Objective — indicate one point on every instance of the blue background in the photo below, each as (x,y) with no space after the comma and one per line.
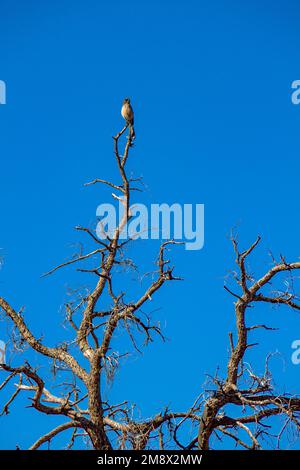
(210,83)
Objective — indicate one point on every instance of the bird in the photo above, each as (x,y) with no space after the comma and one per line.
(128,115)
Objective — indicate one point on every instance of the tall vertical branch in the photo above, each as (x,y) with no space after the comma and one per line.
(93,339)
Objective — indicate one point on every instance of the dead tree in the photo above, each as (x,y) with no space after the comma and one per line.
(94,324)
(96,316)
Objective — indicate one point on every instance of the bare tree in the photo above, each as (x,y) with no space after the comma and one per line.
(94,328)
(96,316)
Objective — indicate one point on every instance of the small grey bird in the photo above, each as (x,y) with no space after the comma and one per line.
(128,115)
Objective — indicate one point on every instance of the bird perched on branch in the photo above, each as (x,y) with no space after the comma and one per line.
(128,115)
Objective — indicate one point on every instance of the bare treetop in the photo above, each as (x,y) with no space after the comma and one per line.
(95,320)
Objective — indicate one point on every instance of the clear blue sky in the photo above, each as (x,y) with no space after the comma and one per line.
(210,82)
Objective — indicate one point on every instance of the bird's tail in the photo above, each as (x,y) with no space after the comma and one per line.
(132,132)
